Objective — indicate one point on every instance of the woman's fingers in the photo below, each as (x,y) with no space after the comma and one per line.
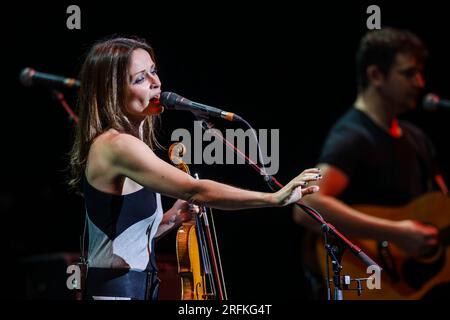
(194,208)
(312,170)
(311,177)
(310,190)
(303,181)
(298,187)
(304,178)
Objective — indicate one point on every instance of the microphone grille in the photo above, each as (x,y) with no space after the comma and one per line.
(169,99)
(26,76)
(430,102)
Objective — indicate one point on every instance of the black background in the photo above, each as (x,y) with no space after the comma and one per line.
(279,65)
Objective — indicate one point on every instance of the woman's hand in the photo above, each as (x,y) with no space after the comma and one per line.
(298,187)
(181,211)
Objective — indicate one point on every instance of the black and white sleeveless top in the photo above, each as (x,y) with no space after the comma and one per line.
(122,228)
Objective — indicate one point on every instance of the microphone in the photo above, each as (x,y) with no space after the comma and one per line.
(176,102)
(29,77)
(432,102)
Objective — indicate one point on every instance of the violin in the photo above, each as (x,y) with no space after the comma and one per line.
(198,256)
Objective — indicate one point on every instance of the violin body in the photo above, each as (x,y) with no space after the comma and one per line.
(189,264)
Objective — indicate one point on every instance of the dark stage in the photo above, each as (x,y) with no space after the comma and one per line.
(278,65)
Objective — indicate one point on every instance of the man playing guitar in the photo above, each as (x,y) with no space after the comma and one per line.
(372,158)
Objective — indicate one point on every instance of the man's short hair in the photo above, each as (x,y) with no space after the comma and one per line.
(380,47)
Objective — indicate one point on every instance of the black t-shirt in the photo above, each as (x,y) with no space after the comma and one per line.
(381,169)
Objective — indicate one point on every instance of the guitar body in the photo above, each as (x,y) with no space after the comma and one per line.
(402,277)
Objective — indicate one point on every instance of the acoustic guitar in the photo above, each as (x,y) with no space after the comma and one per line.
(403,277)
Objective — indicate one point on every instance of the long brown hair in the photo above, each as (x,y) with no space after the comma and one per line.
(102,99)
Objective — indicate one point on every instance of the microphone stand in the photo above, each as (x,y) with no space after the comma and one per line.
(58,96)
(334,250)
